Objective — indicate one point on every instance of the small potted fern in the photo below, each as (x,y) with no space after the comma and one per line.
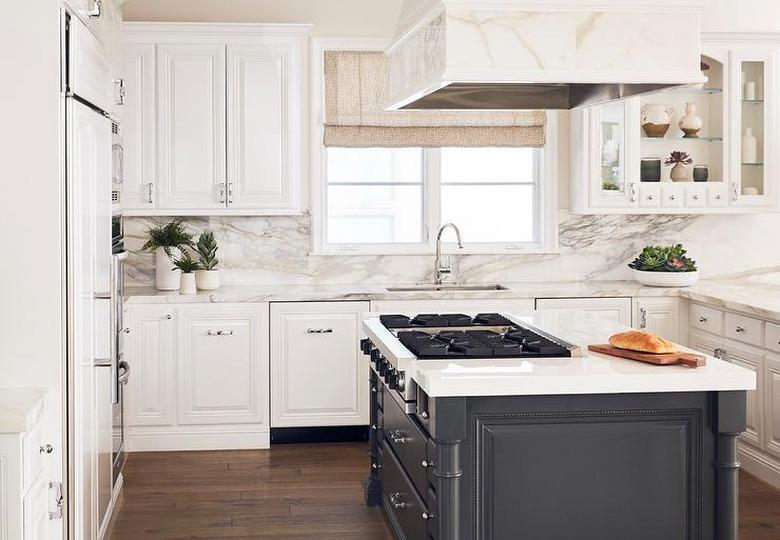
(665,266)
(208,276)
(166,243)
(188,266)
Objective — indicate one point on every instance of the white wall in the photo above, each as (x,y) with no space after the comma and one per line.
(31,218)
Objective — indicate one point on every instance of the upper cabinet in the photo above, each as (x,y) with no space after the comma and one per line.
(621,151)
(214,119)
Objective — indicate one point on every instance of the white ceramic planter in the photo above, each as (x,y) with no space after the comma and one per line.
(167,276)
(208,280)
(188,284)
(666,279)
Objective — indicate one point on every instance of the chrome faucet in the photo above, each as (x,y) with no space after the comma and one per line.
(442,269)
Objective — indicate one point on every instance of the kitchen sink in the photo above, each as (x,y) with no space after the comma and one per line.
(425,287)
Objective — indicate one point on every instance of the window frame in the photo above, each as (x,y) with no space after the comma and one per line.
(545,203)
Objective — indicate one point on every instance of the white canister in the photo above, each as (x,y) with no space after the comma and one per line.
(750,91)
(167,276)
(749,147)
(208,280)
(188,284)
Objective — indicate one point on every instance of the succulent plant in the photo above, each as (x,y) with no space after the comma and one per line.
(679,157)
(663,259)
(186,263)
(172,235)
(207,250)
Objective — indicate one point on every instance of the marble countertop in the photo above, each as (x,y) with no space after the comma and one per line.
(756,293)
(20,408)
(589,374)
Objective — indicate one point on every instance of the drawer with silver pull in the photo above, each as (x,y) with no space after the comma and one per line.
(407,509)
(773,337)
(707,319)
(745,329)
(409,442)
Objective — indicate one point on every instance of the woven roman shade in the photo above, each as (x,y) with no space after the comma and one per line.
(355,116)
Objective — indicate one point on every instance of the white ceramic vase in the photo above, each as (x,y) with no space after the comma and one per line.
(208,280)
(749,147)
(667,279)
(188,285)
(167,276)
(691,123)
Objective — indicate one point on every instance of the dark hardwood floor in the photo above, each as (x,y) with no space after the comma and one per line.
(297,491)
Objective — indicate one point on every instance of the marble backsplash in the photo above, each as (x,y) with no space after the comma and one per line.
(276,250)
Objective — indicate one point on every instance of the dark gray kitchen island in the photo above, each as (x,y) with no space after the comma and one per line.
(566,456)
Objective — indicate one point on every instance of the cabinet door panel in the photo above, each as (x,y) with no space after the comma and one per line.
(705,343)
(263,152)
(659,316)
(223,365)
(614,309)
(750,358)
(319,375)
(151,388)
(138,127)
(36,510)
(191,94)
(772,401)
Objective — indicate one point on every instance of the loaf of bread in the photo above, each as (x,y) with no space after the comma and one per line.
(634,340)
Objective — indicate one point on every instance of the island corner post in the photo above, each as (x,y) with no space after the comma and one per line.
(601,467)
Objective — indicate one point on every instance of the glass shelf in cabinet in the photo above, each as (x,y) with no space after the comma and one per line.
(689,90)
(752,101)
(705,139)
(752,164)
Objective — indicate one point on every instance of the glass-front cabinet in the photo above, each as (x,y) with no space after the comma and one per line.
(754,127)
(698,149)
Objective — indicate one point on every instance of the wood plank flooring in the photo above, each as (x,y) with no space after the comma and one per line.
(304,491)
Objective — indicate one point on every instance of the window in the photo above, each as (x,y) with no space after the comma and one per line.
(393,200)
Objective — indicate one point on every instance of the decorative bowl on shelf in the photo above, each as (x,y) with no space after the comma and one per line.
(667,279)
(665,266)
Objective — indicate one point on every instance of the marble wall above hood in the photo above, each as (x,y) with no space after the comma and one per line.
(543,54)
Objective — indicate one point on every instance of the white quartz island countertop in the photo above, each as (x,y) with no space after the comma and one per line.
(589,374)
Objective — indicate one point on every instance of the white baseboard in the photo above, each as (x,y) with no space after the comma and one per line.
(760,465)
(158,439)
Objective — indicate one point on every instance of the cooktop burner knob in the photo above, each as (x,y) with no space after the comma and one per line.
(400,382)
(392,379)
(376,356)
(383,367)
(366,346)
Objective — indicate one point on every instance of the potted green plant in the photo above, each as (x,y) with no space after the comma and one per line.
(208,276)
(665,266)
(187,266)
(166,243)
(680,160)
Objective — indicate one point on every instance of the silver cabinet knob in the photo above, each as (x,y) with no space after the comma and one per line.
(425,415)
(695,197)
(427,464)
(376,466)
(739,330)
(46,449)
(427,515)
(672,197)
(650,197)
(702,319)
(127,330)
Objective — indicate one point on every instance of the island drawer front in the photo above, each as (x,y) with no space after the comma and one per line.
(401,499)
(707,319)
(745,329)
(773,337)
(409,443)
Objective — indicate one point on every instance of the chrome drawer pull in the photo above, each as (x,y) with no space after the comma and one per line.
(319,330)
(398,437)
(395,500)
(740,329)
(219,332)
(702,319)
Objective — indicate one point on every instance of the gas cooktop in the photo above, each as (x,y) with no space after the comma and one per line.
(455,335)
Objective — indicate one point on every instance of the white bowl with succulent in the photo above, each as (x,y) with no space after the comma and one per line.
(208,276)
(665,266)
(166,243)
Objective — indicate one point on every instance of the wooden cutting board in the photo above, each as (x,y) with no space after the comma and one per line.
(692,360)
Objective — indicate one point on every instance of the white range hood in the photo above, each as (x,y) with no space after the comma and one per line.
(543,54)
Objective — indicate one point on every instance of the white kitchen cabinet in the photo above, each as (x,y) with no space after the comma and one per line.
(228,107)
(772,403)
(222,355)
(659,316)
(138,126)
(705,343)
(614,309)
(263,167)
(469,306)
(200,376)
(36,510)
(149,349)
(191,126)
(750,358)
(318,374)
(609,143)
